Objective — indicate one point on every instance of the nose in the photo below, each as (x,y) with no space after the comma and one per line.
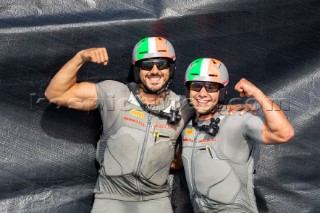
(154,68)
(203,92)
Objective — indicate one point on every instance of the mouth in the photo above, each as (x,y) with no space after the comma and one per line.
(202,102)
(155,79)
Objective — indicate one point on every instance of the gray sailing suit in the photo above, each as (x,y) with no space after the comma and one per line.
(219,170)
(136,148)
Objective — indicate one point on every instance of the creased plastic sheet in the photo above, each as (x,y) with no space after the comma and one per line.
(47,153)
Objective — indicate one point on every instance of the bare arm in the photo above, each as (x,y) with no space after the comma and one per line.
(64,89)
(276,128)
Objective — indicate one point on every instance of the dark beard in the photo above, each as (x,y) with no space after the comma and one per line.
(164,88)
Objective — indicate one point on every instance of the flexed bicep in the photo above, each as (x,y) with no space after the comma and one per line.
(63,88)
(81,96)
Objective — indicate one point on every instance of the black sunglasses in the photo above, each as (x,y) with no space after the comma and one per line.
(160,63)
(209,86)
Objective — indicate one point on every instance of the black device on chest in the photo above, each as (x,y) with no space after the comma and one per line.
(173,117)
(211,129)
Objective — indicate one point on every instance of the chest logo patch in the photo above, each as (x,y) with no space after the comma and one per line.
(137,113)
(207,140)
(189,131)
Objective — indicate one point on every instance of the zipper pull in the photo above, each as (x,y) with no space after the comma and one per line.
(156,135)
(208,148)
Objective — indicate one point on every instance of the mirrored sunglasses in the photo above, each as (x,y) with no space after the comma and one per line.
(209,86)
(160,63)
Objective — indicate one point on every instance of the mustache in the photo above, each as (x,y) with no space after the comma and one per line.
(155,75)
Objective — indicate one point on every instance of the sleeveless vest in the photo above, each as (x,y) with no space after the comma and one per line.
(136,148)
(215,182)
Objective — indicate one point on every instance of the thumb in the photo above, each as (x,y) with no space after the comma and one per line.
(238,87)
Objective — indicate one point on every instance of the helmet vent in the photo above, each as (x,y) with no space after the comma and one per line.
(212,75)
(162,50)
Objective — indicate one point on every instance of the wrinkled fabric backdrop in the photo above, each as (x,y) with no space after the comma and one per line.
(47,153)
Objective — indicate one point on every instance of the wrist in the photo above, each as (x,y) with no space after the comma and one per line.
(78,58)
(258,94)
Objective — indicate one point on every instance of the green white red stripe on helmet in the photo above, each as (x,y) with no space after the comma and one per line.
(153,47)
(207,69)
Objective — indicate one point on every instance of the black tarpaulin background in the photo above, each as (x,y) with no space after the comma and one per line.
(47,153)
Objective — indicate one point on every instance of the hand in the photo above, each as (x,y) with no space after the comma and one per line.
(177,162)
(246,88)
(95,55)
(244,108)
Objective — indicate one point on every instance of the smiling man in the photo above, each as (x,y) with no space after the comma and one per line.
(218,148)
(141,123)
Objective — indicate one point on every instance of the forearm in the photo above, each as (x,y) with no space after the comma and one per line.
(65,78)
(277,127)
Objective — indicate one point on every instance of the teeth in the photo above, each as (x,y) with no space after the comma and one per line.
(202,101)
(155,79)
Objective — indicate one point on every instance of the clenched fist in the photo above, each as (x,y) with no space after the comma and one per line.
(95,55)
(246,88)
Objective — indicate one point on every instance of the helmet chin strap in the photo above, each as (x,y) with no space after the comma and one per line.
(173,117)
(211,129)
(163,89)
(211,111)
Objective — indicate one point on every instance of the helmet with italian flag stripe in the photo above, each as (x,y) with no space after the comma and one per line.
(207,69)
(153,47)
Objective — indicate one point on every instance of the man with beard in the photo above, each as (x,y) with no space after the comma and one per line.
(141,123)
